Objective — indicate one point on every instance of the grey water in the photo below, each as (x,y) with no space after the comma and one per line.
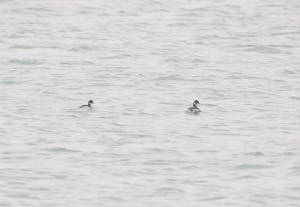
(143,62)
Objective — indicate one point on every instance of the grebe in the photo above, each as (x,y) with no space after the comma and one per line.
(194,109)
(88,105)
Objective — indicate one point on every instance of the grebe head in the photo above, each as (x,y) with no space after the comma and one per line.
(196,102)
(90,102)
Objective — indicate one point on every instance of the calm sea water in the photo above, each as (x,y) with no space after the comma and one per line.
(143,63)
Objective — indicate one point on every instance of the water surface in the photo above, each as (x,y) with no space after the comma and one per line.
(143,63)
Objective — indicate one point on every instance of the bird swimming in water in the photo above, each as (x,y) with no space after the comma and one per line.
(194,109)
(88,105)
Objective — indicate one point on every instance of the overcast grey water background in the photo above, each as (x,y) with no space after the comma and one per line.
(143,62)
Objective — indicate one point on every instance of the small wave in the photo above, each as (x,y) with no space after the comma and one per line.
(246,177)
(295,97)
(120,56)
(254,154)
(61,149)
(85,63)
(8,82)
(287,71)
(25,61)
(170,191)
(84,48)
(213,198)
(260,49)
(169,77)
(284,33)
(251,166)
(21,47)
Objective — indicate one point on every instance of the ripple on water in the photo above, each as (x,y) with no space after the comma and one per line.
(165,191)
(61,150)
(257,154)
(26,61)
(21,47)
(251,166)
(214,198)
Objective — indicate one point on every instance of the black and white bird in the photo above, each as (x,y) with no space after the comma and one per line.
(194,109)
(88,105)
